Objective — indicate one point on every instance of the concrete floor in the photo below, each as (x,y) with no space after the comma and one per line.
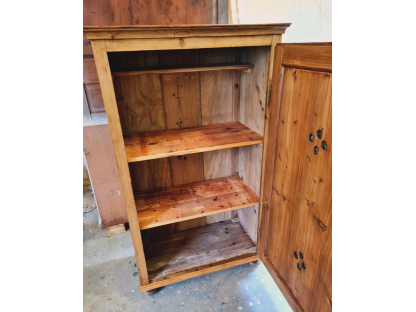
(111,282)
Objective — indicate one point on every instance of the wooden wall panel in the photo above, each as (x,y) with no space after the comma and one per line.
(252,111)
(95,98)
(89,71)
(180,100)
(139,100)
(86,46)
(99,153)
(151,12)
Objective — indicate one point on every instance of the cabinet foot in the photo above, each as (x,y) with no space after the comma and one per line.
(151,292)
(255,263)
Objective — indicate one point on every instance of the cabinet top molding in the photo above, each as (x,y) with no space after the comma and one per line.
(182,31)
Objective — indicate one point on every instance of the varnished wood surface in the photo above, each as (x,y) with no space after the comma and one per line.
(183,202)
(184,251)
(182,31)
(311,57)
(301,199)
(252,113)
(160,144)
(187,43)
(202,270)
(181,69)
(189,26)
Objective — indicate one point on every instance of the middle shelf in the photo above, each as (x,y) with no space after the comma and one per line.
(167,143)
(193,200)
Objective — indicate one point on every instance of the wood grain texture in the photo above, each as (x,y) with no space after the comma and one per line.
(151,12)
(89,72)
(155,12)
(301,195)
(99,154)
(182,31)
(219,164)
(190,249)
(180,102)
(139,100)
(322,290)
(202,270)
(186,43)
(104,76)
(269,149)
(252,111)
(216,88)
(95,99)
(182,69)
(86,45)
(317,58)
(217,105)
(140,106)
(160,144)
(287,293)
(189,201)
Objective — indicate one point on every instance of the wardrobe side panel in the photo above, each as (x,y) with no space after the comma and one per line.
(252,111)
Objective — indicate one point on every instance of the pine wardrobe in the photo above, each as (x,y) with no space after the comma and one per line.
(223,142)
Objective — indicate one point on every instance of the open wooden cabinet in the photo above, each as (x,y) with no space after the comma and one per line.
(222,137)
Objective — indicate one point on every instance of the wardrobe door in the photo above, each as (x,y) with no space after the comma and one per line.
(296,221)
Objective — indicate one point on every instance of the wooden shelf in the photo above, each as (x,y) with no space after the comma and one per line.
(183,69)
(192,250)
(160,144)
(188,201)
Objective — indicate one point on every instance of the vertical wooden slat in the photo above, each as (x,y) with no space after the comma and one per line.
(104,76)
(270,138)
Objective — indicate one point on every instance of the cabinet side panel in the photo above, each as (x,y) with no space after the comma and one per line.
(252,111)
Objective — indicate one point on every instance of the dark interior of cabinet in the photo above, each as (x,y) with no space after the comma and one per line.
(165,101)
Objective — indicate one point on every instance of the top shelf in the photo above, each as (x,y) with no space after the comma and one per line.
(182,69)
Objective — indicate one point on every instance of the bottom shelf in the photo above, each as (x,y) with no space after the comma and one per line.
(178,256)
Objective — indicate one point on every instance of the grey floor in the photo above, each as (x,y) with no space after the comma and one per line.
(111,282)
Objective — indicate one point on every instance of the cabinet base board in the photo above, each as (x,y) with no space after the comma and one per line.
(202,270)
